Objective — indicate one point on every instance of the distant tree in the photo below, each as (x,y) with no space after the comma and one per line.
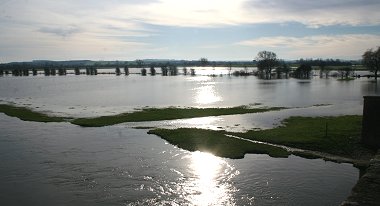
(25,72)
(62,71)
(229,68)
(126,70)
(53,72)
(117,71)
(371,60)
(203,61)
(322,67)
(77,71)
(266,61)
(93,71)
(184,69)
(139,63)
(345,72)
(173,70)
(192,72)
(303,71)
(164,70)
(47,71)
(143,72)
(152,71)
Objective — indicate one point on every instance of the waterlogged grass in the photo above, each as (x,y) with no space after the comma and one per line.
(333,135)
(170,113)
(215,142)
(26,114)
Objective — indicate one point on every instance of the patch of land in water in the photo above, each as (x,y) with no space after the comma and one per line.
(333,135)
(330,136)
(145,114)
(170,113)
(305,136)
(27,114)
(215,142)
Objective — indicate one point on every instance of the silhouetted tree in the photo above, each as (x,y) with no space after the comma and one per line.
(152,71)
(266,61)
(173,70)
(77,71)
(143,72)
(94,71)
(61,71)
(371,60)
(164,70)
(117,71)
(345,72)
(229,67)
(192,72)
(203,61)
(303,71)
(126,70)
(25,72)
(139,63)
(46,71)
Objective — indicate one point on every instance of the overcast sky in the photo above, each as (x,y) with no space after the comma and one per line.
(186,29)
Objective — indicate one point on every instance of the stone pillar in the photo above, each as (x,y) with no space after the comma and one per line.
(371,122)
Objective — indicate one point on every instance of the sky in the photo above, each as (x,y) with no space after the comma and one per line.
(186,29)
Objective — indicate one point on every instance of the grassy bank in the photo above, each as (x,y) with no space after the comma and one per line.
(27,114)
(333,135)
(339,136)
(170,113)
(215,142)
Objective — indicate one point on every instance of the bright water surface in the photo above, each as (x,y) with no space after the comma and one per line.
(63,164)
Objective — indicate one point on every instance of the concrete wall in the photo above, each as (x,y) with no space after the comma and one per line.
(371,122)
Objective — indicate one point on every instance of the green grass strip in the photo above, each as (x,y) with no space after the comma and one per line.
(170,113)
(215,142)
(334,135)
(27,114)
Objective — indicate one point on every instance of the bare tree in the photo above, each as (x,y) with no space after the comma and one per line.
(266,61)
(371,60)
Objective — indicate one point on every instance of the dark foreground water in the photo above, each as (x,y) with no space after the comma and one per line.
(63,164)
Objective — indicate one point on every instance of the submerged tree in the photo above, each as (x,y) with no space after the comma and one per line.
(117,71)
(126,70)
(371,60)
(152,71)
(173,70)
(303,71)
(192,72)
(266,61)
(345,72)
(143,72)
(77,71)
(229,68)
(164,70)
(184,69)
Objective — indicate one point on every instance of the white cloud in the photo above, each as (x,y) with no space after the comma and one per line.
(323,46)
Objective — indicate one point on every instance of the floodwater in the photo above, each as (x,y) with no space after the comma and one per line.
(63,164)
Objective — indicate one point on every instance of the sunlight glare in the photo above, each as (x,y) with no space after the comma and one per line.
(210,174)
(206,95)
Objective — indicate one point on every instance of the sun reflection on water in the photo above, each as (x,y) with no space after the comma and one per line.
(207,94)
(210,184)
